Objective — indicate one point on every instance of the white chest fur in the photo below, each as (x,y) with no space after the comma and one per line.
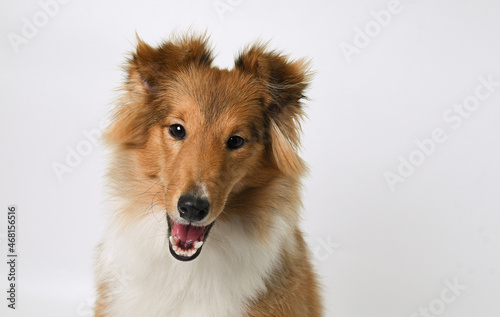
(147,281)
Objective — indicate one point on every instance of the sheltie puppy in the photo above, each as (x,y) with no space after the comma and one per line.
(205,188)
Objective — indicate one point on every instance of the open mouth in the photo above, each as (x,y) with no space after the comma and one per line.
(186,241)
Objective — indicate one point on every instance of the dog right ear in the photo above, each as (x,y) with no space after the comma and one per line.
(149,71)
(284,81)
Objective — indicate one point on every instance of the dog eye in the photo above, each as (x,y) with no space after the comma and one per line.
(177,131)
(235,142)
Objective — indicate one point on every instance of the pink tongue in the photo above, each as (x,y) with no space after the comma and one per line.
(187,232)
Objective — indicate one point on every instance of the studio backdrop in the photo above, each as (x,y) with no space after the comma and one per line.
(401,203)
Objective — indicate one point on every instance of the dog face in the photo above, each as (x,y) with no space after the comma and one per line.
(211,138)
(204,135)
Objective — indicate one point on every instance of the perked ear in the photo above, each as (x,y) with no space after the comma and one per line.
(149,66)
(284,84)
(149,70)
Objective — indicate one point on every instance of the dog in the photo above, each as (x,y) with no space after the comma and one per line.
(205,183)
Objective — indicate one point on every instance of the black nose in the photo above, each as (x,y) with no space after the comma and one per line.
(193,208)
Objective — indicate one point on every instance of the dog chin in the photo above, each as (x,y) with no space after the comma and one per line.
(186,240)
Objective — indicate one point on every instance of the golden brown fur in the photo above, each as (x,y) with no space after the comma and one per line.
(259,100)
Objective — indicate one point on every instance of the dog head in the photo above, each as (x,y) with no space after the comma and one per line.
(203,135)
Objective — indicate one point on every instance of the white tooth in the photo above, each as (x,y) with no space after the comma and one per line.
(171,240)
(177,250)
(198,244)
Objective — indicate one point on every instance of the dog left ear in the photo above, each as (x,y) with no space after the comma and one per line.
(284,83)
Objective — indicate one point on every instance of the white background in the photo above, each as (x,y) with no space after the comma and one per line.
(379,252)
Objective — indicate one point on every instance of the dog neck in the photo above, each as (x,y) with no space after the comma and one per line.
(230,272)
